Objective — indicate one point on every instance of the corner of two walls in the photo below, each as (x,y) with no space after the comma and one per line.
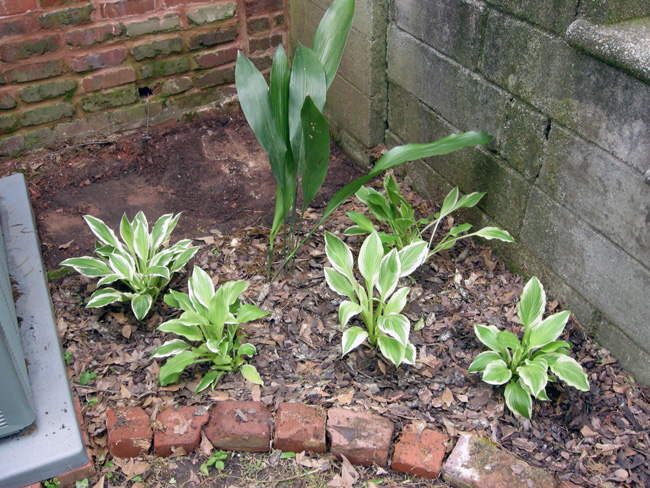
(565,172)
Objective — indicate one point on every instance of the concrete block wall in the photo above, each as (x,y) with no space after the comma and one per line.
(565,172)
(75,68)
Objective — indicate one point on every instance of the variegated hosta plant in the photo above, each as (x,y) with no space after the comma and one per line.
(523,365)
(210,320)
(141,262)
(378,301)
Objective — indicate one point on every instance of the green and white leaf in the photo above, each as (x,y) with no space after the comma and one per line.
(88,266)
(352,338)
(490,233)
(392,349)
(140,304)
(170,348)
(397,301)
(570,371)
(389,273)
(412,256)
(339,254)
(210,378)
(497,372)
(102,231)
(246,350)
(347,310)
(250,373)
(518,400)
(103,297)
(175,326)
(548,330)
(410,354)
(339,283)
(396,326)
(172,369)
(534,375)
(532,303)
(200,287)
(370,258)
(487,334)
(482,360)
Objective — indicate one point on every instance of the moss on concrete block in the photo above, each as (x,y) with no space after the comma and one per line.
(157,69)
(38,138)
(8,123)
(112,99)
(11,146)
(45,91)
(45,114)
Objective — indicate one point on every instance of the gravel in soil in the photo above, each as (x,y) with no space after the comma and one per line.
(215,173)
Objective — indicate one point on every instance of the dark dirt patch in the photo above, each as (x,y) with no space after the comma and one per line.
(597,438)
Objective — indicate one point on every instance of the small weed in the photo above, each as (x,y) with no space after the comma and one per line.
(87,377)
(216,461)
(53,483)
(67,357)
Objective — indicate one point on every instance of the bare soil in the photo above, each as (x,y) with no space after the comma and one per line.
(213,171)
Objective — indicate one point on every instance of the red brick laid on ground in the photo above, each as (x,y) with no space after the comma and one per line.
(129,432)
(420,451)
(299,428)
(181,427)
(239,426)
(362,437)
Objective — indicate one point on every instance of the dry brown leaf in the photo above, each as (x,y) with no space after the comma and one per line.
(125,392)
(209,240)
(345,398)
(256,393)
(206,446)
(100,483)
(347,478)
(66,245)
(126,331)
(448,397)
(587,432)
(131,467)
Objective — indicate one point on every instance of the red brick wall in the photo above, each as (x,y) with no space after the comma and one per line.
(81,67)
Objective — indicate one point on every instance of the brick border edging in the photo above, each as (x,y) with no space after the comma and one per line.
(365,438)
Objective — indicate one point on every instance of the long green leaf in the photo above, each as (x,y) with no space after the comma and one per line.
(279,89)
(532,304)
(317,150)
(88,266)
(331,35)
(172,369)
(370,257)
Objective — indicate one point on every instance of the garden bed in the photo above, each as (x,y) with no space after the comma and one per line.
(213,171)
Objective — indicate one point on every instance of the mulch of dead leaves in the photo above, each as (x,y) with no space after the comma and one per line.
(597,438)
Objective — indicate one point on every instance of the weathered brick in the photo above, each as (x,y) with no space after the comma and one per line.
(239,426)
(45,114)
(138,115)
(478,463)
(181,429)
(93,35)
(38,138)
(156,69)
(8,123)
(87,62)
(362,437)
(216,58)
(126,8)
(19,50)
(257,7)
(58,3)
(129,432)
(154,24)
(14,7)
(112,99)
(299,428)
(199,98)
(45,91)
(258,26)
(206,15)
(154,49)
(21,25)
(279,20)
(37,71)
(218,36)
(177,3)
(264,43)
(10,146)
(7,99)
(175,86)
(420,451)
(108,79)
(262,61)
(66,17)
(217,77)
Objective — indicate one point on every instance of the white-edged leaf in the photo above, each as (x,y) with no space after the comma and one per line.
(190,332)
(468,201)
(182,259)
(352,338)
(170,348)
(339,254)
(487,334)
(392,349)
(410,354)
(347,310)
(397,326)
(518,400)
(249,313)
(107,280)
(104,296)
(174,366)
(140,304)
(141,241)
(412,256)
(102,231)
(497,372)
(88,266)
(232,289)
(397,301)
(200,287)
(161,271)
(534,375)
(449,204)
(246,350)
(532,303)
(214,345)
(370,257)
(482,360)
(490,233)
(569,370)
(339,282)
(389,273)
(190,317)
(549,330)
(122,266)
(250,373)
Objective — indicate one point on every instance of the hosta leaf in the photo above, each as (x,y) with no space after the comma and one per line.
(497,372)
(459,229)
(468,201)
(87,266)
(549,330)
(392,349)
(554,346)
(518,400)
(487,334)
(190,317)
(214,345)
(339,254)
(107,280)
(534,375)
(397,301)
(507,339)
(104,296)
(347,310)
(182,259)
(355,230)
(370,257)
(389,273)
(250,373)
(570,371)
(162,229)
(364,223)
(249,313)
(532,303)
(482,360)
(122,267)
(163,258)
(209,379)
(172,369)
(490,233)
(200,287)
(449,204)
(126,231)
(412,256)
(161,271)
(246,350)
(170,348)
(232,289)
(339,283)
(397,326)
(140,304)
(102,231)
(352,338)
(410,354)
(190,332)
(178,299)
(141,241)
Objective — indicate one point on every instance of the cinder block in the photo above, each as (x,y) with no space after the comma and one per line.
(550,14)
